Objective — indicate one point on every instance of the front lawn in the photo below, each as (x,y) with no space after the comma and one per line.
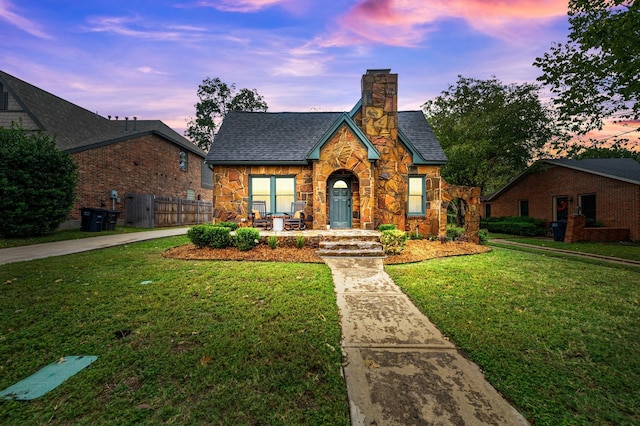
(181,342)
(559,337)
(622,250)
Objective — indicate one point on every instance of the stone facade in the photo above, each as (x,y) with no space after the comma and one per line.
(344,154)
(471,198)
(379,187)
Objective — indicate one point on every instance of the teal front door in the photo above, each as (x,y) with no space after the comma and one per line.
(340,204)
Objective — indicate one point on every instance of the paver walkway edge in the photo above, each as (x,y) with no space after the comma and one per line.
(399,369)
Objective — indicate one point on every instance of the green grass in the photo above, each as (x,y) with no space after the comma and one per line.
(210,343)
(67,234)
(629,251)
(558,337)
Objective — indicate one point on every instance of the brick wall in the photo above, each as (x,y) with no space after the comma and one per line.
(144,165)
(617,202)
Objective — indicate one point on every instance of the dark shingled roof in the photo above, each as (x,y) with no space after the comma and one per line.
(623,169)
(415,127)
(77,129)
(269,138)
(289,137)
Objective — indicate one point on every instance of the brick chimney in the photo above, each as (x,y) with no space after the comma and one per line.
(380,105)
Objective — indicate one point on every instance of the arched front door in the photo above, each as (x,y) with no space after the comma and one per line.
(340,202)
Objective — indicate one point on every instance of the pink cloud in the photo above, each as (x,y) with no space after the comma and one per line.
(19,21)
(406,22)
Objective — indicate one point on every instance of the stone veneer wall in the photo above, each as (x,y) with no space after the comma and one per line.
(344,153)
(471,196)
(231,188)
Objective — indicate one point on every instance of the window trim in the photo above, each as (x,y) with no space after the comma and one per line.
(423,195)
(273,197)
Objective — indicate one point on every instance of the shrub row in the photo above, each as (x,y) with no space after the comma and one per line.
(219,236)
(515,225)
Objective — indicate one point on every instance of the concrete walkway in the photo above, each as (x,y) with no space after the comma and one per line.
(400,370)
(59,248)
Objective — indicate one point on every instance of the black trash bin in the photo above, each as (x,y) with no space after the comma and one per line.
(110,219)
(559,229)
(92,219)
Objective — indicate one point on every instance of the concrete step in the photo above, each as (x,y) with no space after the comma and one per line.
(350,248)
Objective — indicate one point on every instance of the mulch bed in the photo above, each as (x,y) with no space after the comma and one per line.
(416,251)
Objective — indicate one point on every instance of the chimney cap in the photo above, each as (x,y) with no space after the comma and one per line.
(379,71)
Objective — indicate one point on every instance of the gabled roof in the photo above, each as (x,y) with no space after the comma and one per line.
(344,119)
(294,138)
(77,129)
(622,169)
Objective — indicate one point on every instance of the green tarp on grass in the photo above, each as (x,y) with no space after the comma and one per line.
(47,378)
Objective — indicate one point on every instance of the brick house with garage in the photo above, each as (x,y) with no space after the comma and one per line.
(605,191)
(127,156)
(356,170)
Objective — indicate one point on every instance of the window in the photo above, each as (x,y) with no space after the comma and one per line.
(416,204)
(588,208)
(278,192)
(523,207)
(182,162)
(487,210)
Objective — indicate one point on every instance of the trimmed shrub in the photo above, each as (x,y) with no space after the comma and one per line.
(219,236)
(393,241)
(37,183)
(272,241)
(246,238)
(210,235)
(386,227)
(231,225)
(197,235)
(515,225)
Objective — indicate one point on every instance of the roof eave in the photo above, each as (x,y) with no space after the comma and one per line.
(133,136)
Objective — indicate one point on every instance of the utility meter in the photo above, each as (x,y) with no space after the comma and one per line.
(113,194)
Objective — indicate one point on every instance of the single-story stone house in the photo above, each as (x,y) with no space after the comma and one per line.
(122,155)
(604,191)
(358,169)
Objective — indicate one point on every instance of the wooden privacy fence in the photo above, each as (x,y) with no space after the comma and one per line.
(149,211)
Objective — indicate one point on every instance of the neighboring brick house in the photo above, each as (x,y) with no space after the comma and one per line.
(128,156)
(354,169)
(605,191)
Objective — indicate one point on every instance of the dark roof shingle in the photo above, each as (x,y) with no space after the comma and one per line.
(77,129)
(288,137)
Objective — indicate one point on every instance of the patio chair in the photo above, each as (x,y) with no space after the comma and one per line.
(295,219)
(260,218)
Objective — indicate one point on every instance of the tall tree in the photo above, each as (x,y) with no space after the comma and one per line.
(216,99)
(490,131)
(596,74)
